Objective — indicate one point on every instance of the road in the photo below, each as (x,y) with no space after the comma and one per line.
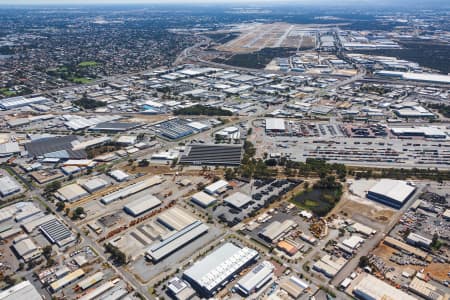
(371,243)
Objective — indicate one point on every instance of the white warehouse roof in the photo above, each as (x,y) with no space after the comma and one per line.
(8,186)
(238,199)
(214,269)
(395,190)
(256,278)
(214,187)
(94,184)
(203,199)
(119,175)
(275,124)
(371,287)
(71,192)
(142,205)
(21,291)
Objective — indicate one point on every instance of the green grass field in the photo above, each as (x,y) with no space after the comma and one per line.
(6,92)
(81,80)
(85,64)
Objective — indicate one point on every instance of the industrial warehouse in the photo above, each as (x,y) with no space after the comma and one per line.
(222,155)
(129,171)
(131,189)
(370,287)
(21,291)
(142,205)
(211,273)
(172,243)
(203,199)
(256,278)
(393,193)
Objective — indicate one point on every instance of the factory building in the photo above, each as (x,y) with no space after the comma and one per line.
(177,240)
(66,280)
(21,291)
(293,286)
(277,230)
(71,193)
(329,266)
(26,249)
(237,200)
(371,288)
(213,154)
(97,292)
(175,218)
(426,290)
(57,233)
(8,186)
(216,187)
(132,189)
(256,278)
(393,193)
(213,272)
(94,184)
(275,125)
(427,132)
(418,240)
(178,289)
(396,244)
(19,101)
(203,199)
(351,244)
(119,175)
(90,281)
(141,205)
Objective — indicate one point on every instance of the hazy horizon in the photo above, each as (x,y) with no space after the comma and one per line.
(396,3)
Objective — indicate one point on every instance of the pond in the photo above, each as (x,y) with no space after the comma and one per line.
(319,201)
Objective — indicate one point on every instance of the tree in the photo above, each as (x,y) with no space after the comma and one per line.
(52,187)
(77,213)
(47,251)
(116,255)
(21,266)
(363,261)
(435,242)
(9,280)
(229,174)
(143,163)
(60,205)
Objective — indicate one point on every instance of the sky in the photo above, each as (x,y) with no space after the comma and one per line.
(316,2)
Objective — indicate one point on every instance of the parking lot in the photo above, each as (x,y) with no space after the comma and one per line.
(263,192)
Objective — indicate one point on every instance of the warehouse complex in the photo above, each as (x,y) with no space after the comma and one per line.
(141,205)
(277,230)
(217,187)
(372,288)
(211,273)
(71,193)
(66,280)
(203,199)
(8,186)
(393,193)
(213,154)
(57,233)
(175,218)
(256,278)
(131,189)
(237,200)
(21,291)
(275,125)
(177,240)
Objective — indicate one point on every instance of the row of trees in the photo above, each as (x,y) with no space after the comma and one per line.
(203,110)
